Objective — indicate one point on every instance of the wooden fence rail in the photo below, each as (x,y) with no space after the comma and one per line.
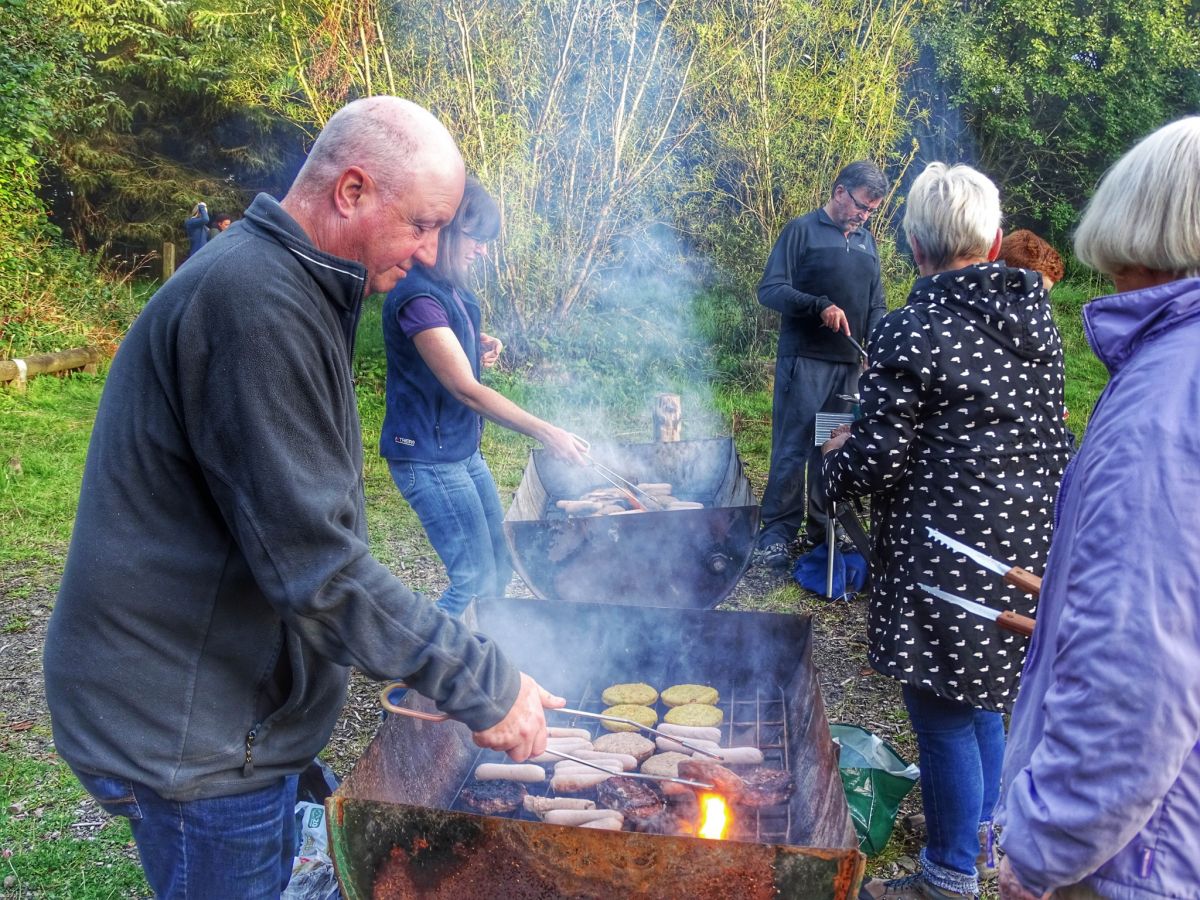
(17,372)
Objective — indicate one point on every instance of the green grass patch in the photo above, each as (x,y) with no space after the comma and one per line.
(44,435)
(1086,375)
(55,845)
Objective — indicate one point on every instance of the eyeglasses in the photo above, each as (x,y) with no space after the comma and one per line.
(861,207)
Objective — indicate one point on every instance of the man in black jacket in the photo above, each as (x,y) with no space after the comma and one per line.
(823,278)
(219,585)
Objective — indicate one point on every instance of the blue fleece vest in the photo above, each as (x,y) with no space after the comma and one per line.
(423,421)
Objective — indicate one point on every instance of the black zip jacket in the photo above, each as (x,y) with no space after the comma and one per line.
(219,583)
(812,266)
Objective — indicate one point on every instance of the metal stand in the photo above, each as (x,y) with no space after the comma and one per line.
(831,548)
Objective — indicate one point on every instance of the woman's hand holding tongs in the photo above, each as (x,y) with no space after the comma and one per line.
(522,732)
(561,444)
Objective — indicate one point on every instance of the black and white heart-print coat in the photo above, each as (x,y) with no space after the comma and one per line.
(961,429)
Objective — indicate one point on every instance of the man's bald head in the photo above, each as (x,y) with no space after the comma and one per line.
(380,180)
(386,136)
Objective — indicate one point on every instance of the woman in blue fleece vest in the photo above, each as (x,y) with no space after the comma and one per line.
(436,406)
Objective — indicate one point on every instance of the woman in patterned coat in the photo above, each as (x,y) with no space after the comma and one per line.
(961,429)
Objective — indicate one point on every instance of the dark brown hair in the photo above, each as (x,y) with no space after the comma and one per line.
(478,218)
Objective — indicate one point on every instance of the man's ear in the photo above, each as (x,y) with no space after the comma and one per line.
(994,253)
(349,190)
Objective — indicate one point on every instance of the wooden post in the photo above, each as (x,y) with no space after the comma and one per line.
(18,371)
(668,417)
(168,258)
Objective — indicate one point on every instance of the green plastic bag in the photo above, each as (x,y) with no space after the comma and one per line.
(875,779)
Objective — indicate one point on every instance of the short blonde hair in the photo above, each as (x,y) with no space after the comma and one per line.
(1146,210)
(953,212)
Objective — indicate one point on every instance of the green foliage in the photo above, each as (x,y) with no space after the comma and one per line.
(1054,92)
(147,127)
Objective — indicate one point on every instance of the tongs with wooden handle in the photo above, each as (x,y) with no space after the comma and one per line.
(1021,579)
(386,702)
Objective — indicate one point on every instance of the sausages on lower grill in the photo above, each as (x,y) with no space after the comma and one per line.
(573,782)
(624,760)
(691,732)
(539,806)
(506,772)
(557,731)
(580,816)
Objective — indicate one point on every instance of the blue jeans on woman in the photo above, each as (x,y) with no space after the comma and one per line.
(238,846)
(459,507)
(961,752)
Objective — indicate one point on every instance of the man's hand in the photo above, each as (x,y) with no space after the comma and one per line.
(834,319)
(1011,888)
(522,733)
(491,347)
(837,437)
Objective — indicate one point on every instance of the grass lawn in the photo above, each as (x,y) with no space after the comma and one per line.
(46,850)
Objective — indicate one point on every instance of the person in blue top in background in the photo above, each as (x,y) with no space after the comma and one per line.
(436,406)
(196,226)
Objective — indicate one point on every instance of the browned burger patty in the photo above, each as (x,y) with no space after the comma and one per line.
(493,798)
(635,798)
(766,787)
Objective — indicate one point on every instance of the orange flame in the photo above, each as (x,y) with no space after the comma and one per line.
(714,817)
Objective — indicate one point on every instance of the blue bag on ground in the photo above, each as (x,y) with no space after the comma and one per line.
(849,572)
(875,779)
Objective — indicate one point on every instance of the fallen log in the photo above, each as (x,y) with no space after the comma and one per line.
(19,371)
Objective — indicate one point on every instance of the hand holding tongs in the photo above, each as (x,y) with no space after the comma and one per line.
(631,490)
(386,702)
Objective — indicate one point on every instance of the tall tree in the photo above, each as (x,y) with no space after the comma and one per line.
(1053,92)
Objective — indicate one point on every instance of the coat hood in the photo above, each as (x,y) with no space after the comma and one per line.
(1007,304)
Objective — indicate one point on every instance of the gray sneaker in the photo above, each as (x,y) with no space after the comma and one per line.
(910,887)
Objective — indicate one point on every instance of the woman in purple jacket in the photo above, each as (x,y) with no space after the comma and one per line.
(1101,785)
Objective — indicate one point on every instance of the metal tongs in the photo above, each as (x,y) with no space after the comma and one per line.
(616,480)
(385,701)
(643,775)
(670,737)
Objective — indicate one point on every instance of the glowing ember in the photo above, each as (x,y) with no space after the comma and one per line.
(714,817)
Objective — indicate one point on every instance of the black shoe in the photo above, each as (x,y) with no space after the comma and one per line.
(772,556)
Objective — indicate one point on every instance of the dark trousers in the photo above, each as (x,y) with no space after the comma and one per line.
(803,387)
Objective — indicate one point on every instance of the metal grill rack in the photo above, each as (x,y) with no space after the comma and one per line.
(752,719)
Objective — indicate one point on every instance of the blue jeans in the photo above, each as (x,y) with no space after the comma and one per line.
(459,507)
(240,846)
(961,751)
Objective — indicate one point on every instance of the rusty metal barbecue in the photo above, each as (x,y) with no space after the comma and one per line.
(400,827)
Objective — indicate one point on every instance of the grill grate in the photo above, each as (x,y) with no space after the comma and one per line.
(752,719)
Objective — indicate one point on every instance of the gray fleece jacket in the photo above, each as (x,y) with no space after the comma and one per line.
(219,584)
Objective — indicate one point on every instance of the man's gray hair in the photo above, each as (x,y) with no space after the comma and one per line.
(374,133)
(1146,211)
(862,174)
(952,212)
